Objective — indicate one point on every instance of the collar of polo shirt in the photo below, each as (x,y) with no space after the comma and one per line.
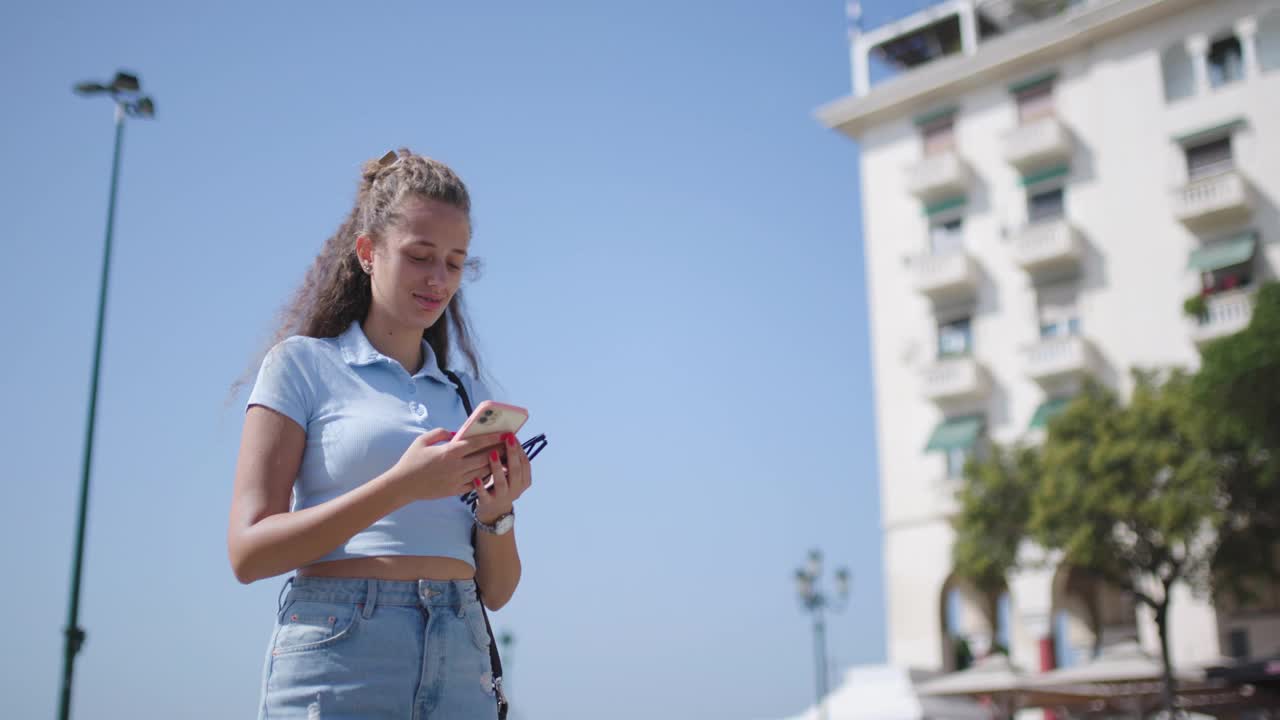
(358,351)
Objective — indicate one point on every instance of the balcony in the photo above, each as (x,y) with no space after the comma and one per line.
(948,276)
(1050,245)
(937,176)
(955,378)
(1039,142)
(1058,358)
(1212,200)
(1225,314)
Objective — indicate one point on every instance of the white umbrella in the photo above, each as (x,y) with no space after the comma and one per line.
(1119,663)
(1122,677)
(996,678)
(992,675)
(886,692)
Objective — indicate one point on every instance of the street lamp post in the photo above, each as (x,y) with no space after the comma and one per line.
(814,599)
(126,93)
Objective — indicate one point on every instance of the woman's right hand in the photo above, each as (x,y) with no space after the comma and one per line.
(433,467)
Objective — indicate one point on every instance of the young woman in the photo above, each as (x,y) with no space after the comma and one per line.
(347,473)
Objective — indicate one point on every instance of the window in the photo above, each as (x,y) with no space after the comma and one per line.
(1226,264)
(1067,645)
(1228,278)
(946,236)
(1046,204)
(1179,73)
(956,458)
(958,439)
(1057,310)
(1238,641)
(1268,41)
(1002,623)
(939,136)
(1226,61)
(1068,326)
(1035,102)
(1209,158)
(955,338)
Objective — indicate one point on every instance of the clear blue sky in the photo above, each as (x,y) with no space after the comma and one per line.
(674,287)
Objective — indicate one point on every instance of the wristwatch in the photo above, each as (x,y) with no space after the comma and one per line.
(501,526)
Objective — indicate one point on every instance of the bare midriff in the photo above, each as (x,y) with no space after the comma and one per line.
(393,567)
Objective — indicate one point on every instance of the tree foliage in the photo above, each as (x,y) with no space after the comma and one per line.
(1237,390)
(1181,483)
(995,503)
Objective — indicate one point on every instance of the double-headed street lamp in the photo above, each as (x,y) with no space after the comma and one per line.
(125,91)
(814,599)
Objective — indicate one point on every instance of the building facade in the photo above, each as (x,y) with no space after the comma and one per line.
(1044,185)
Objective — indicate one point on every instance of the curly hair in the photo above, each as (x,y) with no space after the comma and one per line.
(336,292)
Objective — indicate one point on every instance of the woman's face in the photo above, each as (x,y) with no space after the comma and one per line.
(417,266)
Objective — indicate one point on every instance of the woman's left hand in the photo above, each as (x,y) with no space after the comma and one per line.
(509,483)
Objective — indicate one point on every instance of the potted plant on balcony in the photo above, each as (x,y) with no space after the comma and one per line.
(1196,306)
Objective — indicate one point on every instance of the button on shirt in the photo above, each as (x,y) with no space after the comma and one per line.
(361,410)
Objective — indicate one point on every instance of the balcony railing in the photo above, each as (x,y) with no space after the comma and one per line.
(1211,200)
(1038,142)
(955,378)
(1225,314)
(1061,357)
(1048,245)
(937,176)
(945,276)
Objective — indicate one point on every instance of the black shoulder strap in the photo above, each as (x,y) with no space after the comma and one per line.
(462,391)
(495,662)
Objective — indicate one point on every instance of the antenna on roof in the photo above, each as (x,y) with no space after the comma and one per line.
(853,14)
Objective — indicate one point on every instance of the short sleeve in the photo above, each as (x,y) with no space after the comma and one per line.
(282,383)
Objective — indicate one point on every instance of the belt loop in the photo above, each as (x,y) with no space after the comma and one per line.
(371,598)
(280,598)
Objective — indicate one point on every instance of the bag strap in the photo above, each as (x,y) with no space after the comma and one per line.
(495,662)
(462,391)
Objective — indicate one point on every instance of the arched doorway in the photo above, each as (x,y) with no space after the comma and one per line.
(973,623)
(1088,614)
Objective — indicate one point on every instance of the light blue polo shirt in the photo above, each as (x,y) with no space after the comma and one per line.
(361,410)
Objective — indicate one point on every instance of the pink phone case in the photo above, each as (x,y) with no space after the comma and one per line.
(493,417)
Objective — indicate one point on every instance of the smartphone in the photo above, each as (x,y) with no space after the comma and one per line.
(493,417)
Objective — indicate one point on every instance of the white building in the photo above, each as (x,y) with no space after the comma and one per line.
(1044,184)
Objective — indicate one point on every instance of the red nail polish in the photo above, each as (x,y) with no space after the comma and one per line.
(511,439)
(493,455)
(477,482)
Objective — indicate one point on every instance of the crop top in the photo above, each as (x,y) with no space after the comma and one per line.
(361,410)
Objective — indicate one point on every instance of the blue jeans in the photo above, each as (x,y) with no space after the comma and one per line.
(354,648)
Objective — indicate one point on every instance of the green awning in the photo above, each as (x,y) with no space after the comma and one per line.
(958,433)
(935,115)
(1034,80)
(950,203)
(1224,253)
(1047,410)
(1195,137)
(1049,173)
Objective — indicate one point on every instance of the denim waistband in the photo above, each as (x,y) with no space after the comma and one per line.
(370,592)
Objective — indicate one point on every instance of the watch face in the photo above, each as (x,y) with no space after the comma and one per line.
(500,526)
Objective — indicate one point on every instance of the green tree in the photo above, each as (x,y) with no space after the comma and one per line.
(1182,483)
(1126,492)
(1238,392)
(995,503)
(1129,494)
